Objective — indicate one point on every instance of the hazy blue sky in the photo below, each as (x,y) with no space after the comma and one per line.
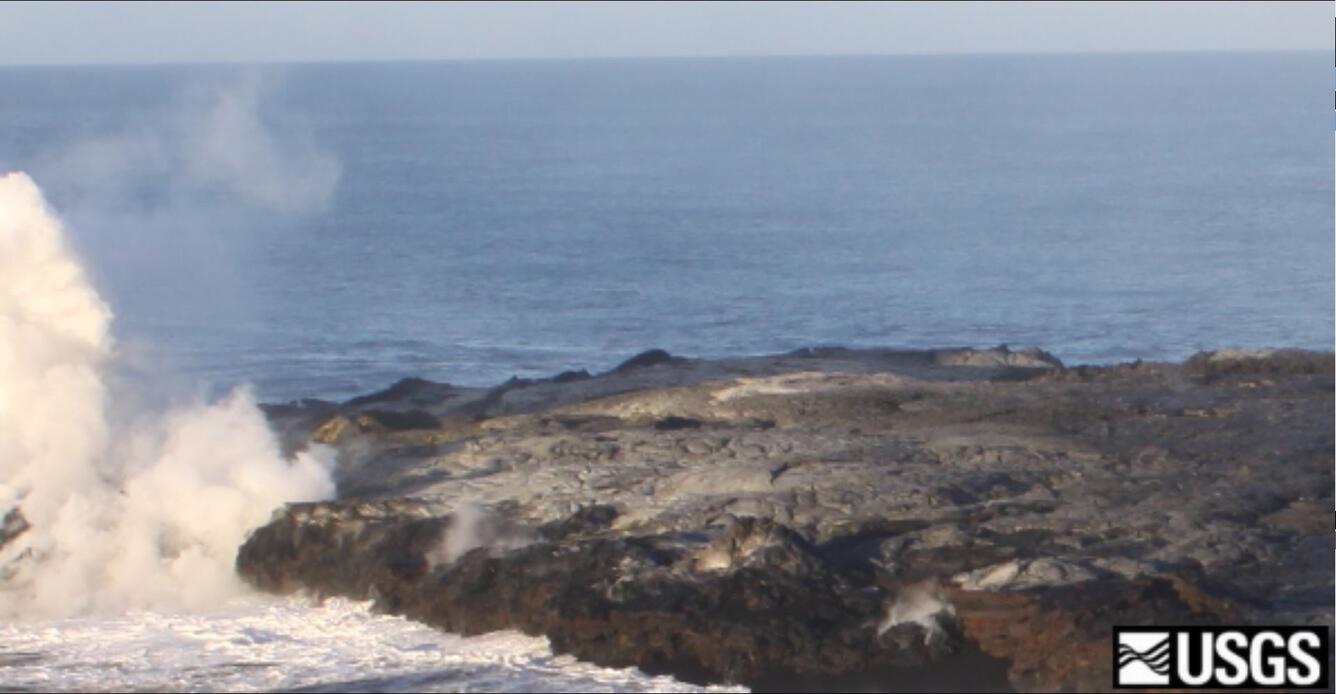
(234,31)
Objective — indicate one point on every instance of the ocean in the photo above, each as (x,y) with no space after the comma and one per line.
(472,221)
(322,230)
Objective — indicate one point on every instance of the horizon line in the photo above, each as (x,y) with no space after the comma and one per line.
(716,56)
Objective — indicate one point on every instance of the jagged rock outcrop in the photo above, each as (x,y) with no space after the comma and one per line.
(832,517)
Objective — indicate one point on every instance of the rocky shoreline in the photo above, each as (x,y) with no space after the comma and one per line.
(870,519)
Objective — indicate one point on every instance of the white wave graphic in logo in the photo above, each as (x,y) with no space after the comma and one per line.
(1144,658)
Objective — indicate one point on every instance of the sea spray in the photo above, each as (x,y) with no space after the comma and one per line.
(146,516)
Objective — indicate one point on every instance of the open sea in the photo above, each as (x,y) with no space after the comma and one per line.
(322,230)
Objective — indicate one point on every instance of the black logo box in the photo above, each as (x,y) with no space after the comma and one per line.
(1324,658)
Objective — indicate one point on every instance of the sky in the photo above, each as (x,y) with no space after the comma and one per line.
(159,32)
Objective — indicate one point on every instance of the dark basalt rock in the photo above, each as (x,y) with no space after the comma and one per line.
(754,601)
(674,423)
(754,604)
(1213,366)
(586,521)
(871,519)
(418,390)
(572,376)
(819,352)
(1059,638)
(340,549)
(645,359)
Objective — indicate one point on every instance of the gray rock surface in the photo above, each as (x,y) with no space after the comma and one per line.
(831,512)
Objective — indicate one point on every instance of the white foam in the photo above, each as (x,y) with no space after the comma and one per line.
(266,644)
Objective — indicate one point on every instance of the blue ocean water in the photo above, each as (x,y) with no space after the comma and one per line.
(507,218)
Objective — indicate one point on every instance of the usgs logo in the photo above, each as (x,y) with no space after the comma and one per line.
(1219,657)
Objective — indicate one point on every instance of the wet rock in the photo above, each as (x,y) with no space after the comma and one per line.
(773,606)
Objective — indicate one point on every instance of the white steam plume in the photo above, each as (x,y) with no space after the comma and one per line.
(922,604)
(208,148)
(473,526)
(183,192)
(148,517)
